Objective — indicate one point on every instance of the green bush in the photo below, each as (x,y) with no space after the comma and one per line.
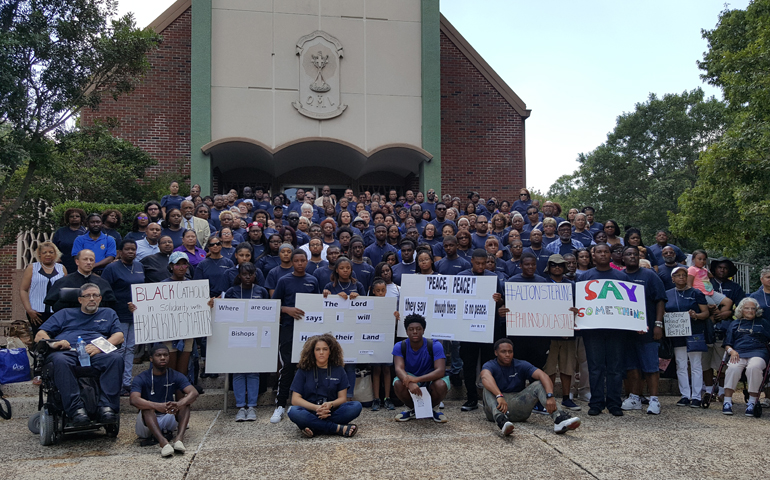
(128,210)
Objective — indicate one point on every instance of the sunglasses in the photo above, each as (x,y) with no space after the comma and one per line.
(218,244)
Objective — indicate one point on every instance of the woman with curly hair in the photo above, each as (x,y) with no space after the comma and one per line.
(319,390)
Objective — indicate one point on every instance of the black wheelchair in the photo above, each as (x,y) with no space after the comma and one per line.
(51,422)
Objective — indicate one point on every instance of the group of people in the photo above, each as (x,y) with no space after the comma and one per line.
(251,245)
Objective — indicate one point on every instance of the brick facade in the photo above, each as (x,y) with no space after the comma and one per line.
(482,135)
(156,116)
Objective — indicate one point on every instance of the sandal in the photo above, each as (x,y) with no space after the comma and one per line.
(347,430)
(307,432)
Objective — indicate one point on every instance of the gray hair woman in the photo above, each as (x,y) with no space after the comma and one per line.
(746,343)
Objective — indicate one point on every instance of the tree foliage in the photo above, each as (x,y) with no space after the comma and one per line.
(56,58)
(648,160)
(728,209)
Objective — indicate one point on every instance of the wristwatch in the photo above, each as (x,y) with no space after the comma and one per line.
(549,395)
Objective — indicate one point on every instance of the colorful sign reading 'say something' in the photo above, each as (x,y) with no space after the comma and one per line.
(612,304)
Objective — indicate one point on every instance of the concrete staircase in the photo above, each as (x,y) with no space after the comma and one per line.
(24,396)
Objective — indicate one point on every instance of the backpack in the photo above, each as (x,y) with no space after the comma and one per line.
(428,341)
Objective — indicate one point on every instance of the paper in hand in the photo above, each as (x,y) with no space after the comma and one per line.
(102,344)
(423,407)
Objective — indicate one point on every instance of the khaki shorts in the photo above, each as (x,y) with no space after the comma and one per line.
(563,353)
(712,358)
(188,345)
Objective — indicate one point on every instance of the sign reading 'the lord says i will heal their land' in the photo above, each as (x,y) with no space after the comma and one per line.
(171,310)
(612,304)
(363,326)
(455,307)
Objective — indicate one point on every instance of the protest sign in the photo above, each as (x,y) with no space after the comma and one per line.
(245,336)
(612,304)
(677,324)
(539,309)
(171,311)
(455,307)
(363,326)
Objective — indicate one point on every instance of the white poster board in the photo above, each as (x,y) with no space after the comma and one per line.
(539,309)
(612,304)
(677,324)
(455,307)
(171,310)
(364,327)
(245,336)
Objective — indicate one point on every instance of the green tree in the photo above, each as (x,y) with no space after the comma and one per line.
(56,58)
(728,209)
(648,160)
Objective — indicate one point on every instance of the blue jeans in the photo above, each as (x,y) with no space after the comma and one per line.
(110,368)
(243,382)
(456,361)
(304,418)
(127,351)
(605,351)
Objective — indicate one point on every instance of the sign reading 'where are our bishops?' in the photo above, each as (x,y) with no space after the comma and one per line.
(455,307)
(612,304)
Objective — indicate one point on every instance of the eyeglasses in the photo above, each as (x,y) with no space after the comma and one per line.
(91,296)
(142,217)
(523,195)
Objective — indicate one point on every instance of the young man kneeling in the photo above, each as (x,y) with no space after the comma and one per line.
(507,401)
(153,393)
(419,363)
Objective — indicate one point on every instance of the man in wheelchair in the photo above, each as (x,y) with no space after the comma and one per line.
(88,322)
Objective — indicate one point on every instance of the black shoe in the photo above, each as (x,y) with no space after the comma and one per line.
(616,412)
(80,418)
(470,405)
(594,411)
(107,415)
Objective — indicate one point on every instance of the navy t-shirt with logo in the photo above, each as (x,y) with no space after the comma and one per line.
(288,287)
(510,379)
(165,385)
(320,384)
(71,323)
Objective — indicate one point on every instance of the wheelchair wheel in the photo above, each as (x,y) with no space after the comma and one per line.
(757,410)
(34,423)
(112,430)
(47,429)
(706,400)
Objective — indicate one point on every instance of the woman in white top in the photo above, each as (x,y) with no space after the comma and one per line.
(38,278)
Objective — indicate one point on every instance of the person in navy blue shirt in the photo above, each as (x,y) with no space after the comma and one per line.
(661,241)
(667,267)
(269,258)
(155,392)
(430,204)
(642,355)
(508,400)
(440,221)
(536,248)
(296,205)
(762,295)
(592,226)
(418,368)
(103,246)
(363,271)
(320,391)
(580,232)
(746,343)
(471,352)
(479,237)
(88,322)
(522,204)
(324,273)
(381,246)
(452,264)
(605,348)
(214,268)
(286,291)
(342,282)
(64,237)
(284,268)
(723,269)
(173,200)
(121,275)
(407,264)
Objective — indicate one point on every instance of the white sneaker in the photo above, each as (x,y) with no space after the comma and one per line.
(441,405)
(277,415)
(653,408)
(632,404)
(167,450)
(765,402)
(251,415)
(179,447)
(241,415)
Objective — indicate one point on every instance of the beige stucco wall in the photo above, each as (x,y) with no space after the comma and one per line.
(255,72)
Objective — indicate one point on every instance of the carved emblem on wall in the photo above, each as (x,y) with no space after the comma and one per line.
(319,57)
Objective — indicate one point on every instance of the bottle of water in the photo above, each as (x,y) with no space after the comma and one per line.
(83,356)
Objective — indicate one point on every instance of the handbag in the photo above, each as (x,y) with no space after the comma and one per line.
(363,390)
(14,365)
(665,349)
(697,343)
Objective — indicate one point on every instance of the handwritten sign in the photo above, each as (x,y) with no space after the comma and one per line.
(455,307)
(677,324)
(246,342)
(171,311)
(612,304)
(539,309)
(364,326)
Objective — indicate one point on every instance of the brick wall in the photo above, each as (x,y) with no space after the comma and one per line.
(156,116)
(7,287)
(482,136)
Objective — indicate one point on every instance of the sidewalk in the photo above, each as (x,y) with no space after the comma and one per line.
(680,443)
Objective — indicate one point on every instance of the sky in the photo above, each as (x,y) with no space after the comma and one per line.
(577,65)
